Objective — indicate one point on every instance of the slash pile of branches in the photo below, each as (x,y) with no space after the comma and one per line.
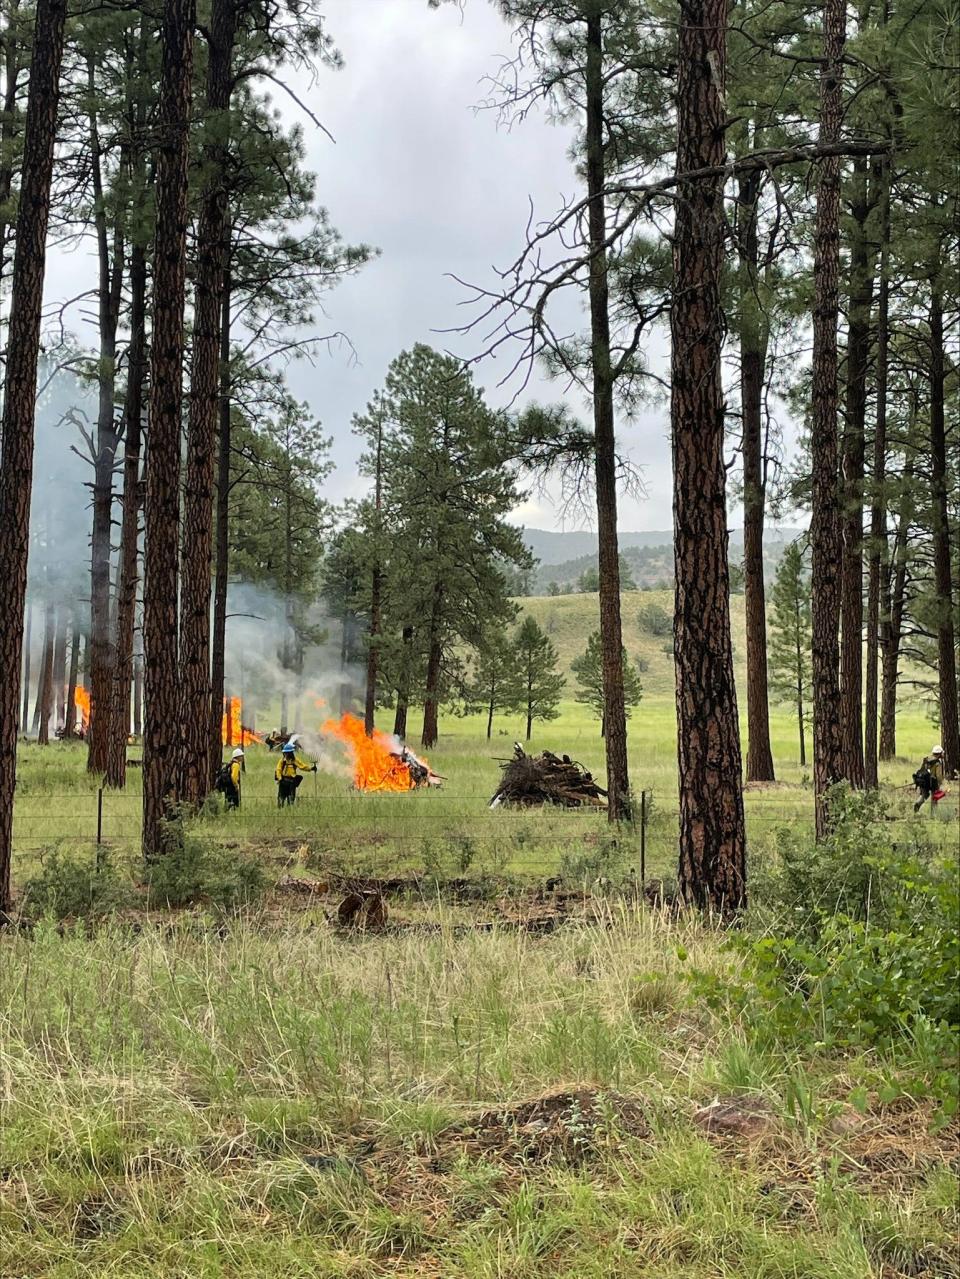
(530,780)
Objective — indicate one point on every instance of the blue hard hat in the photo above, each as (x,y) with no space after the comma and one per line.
(288,748)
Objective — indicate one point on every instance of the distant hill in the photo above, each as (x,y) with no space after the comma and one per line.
(563,557)
(571,544)
(647,629)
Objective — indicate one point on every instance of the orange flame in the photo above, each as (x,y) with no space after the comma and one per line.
(81,700)
(232,730)
(376,765)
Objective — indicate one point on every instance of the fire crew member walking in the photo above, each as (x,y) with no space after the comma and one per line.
(289,768)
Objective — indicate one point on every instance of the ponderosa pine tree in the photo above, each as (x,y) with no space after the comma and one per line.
(19,393)
(213,240)
(161,738)
(588,668)
(449,485)
(493,681)
(825,527)
(712,870)
(790,639)
(536,683)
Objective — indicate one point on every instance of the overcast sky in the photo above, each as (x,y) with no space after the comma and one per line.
(441,190)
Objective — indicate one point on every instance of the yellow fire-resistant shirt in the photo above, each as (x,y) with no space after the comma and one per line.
(287,766)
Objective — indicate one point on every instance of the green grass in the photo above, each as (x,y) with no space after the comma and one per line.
(57,800)
(161,1096)
(264,1096)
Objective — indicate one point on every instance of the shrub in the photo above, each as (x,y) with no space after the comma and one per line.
(866,955)
(856,871)
(194,872)
(71,885)
(654,619)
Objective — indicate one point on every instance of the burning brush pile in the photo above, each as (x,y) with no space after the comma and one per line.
(380,762)
(531,780)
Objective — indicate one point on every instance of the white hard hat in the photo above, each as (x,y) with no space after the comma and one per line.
(237,754)
(937,750)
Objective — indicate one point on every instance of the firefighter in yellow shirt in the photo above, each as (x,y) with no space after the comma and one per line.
(289,768)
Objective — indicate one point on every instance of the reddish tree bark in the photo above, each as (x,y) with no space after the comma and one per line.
(212,246)
(161,739)
(825,529)
(19,398)
(712,870)
(753,351)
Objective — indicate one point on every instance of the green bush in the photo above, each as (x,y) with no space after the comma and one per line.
(856,871)
(70,885)
(196,873)
(654,619)
(865,955)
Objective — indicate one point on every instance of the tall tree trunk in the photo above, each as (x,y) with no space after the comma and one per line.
(490,710)
(161,741)
(45,695)
(403,689)
(376,587)
(59,667)
(712,869)
(195,676)
(15,60)
(611,637)
(825,530)
(138,693)
(19,397)
(753,350)
(946,640)
(222,568)
(434,658)
(130,527)
(800,708)
(109,294)
(851,588)
(25,716)
(70,710)
(894,587)
(877,550)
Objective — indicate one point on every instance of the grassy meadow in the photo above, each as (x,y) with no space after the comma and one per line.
(503,1084)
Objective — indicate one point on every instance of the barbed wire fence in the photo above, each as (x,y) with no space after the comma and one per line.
(439,833)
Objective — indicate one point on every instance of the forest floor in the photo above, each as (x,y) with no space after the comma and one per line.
(510,1080)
